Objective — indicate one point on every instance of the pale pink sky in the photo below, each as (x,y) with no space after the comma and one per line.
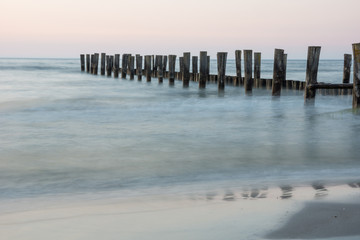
(66,28)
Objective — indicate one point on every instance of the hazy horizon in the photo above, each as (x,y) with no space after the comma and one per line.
(54,29)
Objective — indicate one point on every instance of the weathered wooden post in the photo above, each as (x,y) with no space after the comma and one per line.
(160,71)
(152,66)
(164,63)
(186,69)
(88,63)
(102,68)
(238,67)
(181,67)
(346,73)
(194,62)
(356,78)
(278,72)
(131,66)
(172,62)
(111,65)
(312,66)
(139,60)
(124,65)
(248,70)
(92,58)
(96,63)
(108,65)
(157,64)
(221,62)
(257,68)
(208,68)
(82,62)
(203,69)
(148,68)
(116,65)
(285,83)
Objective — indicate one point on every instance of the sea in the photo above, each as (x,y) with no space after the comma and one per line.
(64,132)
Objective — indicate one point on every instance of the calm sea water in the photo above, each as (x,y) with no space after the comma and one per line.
(67,132)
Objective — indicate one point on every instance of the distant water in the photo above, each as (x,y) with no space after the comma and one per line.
(67,132)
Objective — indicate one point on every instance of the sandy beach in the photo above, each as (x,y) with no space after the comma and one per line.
(275,213)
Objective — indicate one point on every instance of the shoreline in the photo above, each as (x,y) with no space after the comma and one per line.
(273,213)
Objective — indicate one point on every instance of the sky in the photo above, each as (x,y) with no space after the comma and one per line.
(67,28)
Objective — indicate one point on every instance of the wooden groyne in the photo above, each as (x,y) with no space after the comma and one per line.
(159,66)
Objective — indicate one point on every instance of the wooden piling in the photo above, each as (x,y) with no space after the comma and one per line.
(181,67)
(139,60)
(82,62)
(148,67)
(102,67)
(238,67)
(109,67)
(208,68)
(203,69)
(221,62)
(96,63)
(312,66)
(346,72)
(116,65)
(152,65)
(172,62)
(124,65)
(257,68)
(92,58)
(194,67)
(131,63)
(248,70)
(356,77)
(284,82)
(160,68)
(186,69)
(88,63)
(278,72)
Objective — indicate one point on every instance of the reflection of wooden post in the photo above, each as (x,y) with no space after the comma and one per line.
(257,68)
(131,66)
(186,69)
(172,62)
(347,68)
(203,69)
(124,65)
(356,78)
(102,69)
(221,61)
(312,66)
(248,70)
(148,68)
(238,67)
(279,72)
(82,62)
(116,65)
(194,67)
(139,60)
(88,63)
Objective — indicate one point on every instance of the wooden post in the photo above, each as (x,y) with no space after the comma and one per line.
(131,66)
(96,63)
(181,67)
(208,68)
(221,62)
(108,65)
(160,71)
(312,66)
(111,65)
(124,65)
(148,67)
(172,62)
(139,60)
(238,67)
(257,68)
(279,72)
(194,67)
(248,70)
(116,65)
(356,78)
(88,63)
(164,64)
(284,82)
(82,62)
(152,65)
(186,69)
(346,73)
(102,68)
(92,58)
(203,69)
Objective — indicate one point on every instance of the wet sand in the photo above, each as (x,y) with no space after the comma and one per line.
(287,212)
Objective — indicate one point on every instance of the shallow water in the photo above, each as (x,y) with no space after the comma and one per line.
(67,132)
